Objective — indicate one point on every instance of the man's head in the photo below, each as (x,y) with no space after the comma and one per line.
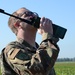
(15,23)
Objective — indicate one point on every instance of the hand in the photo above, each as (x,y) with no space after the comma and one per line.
(45,26)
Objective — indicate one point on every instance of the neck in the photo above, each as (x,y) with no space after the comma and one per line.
(28,36)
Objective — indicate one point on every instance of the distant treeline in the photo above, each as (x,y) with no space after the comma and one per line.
(66,59)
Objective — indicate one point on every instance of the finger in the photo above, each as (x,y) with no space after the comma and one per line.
(42,20)
(48,21)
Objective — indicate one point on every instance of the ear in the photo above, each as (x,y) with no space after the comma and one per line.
(16,24)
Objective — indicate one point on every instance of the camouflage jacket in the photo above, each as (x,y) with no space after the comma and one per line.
(20,58)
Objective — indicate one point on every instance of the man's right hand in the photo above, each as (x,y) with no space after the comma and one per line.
(45,26)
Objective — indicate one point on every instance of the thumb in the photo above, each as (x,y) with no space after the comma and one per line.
(40,31)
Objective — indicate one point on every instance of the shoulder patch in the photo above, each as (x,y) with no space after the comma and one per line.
(22,55)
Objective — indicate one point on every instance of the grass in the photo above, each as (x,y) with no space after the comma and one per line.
(65,68)
(0,71)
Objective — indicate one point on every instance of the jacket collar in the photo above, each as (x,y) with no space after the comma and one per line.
(26,44)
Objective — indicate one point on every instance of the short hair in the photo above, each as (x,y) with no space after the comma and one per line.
(13,20)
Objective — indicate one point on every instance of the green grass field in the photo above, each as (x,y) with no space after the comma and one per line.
(63,68)
(0,72)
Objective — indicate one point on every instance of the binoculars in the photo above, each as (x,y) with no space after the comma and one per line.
(58,31)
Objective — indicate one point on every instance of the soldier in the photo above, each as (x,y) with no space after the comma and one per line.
(24,56)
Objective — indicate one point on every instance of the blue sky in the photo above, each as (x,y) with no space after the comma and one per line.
(61,13)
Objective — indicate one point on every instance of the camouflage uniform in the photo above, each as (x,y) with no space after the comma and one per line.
(20,58)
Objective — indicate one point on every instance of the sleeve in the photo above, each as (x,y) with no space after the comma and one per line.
(38,63)
(50,49)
